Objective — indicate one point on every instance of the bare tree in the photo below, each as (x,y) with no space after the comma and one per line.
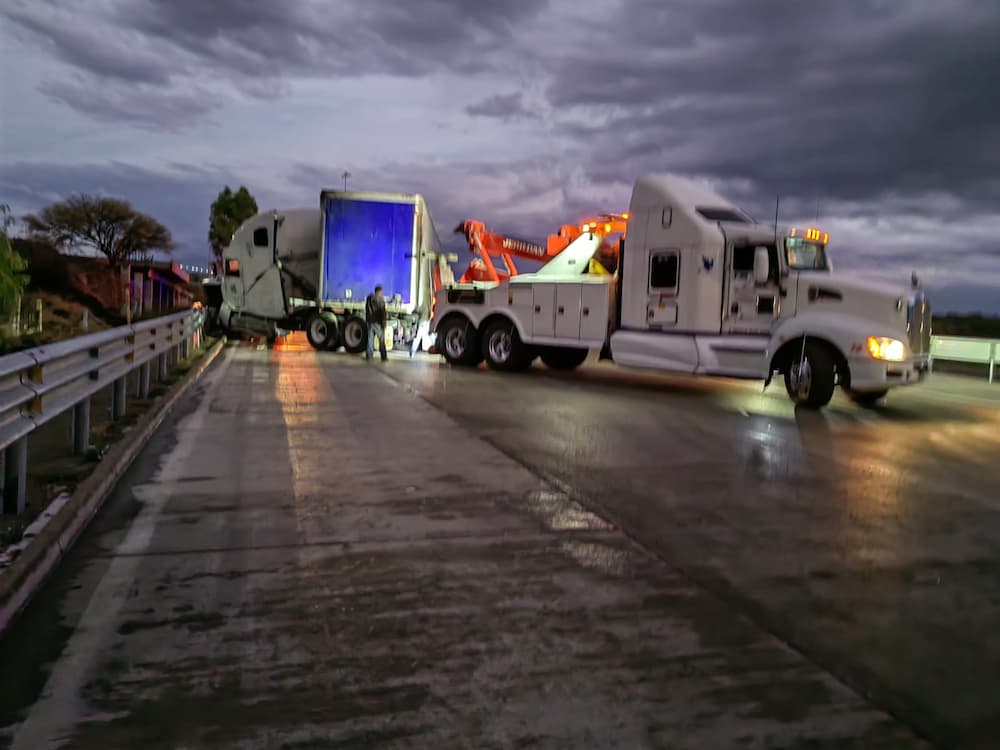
(108,225)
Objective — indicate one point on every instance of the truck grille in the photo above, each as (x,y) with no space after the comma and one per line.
(918,323)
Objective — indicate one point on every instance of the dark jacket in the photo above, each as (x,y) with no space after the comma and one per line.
(375,310)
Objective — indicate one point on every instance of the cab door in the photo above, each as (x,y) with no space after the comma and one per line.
(663,284)
(751,307)
(232,282)
(262,289)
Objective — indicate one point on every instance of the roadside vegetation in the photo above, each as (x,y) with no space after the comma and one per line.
(54,292)
(975,325)
(65,275)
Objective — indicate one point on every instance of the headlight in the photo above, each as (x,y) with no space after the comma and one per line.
(885,348)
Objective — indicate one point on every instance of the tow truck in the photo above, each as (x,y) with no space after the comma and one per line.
(700,288)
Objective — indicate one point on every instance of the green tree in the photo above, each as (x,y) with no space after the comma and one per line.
(13,278)
(108,225)
(229,211)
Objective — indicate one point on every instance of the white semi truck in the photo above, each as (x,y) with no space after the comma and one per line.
(700,288)
(311,269)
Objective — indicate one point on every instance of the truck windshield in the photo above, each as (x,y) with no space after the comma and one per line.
(804,255)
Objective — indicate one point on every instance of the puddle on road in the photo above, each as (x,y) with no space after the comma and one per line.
(562,514)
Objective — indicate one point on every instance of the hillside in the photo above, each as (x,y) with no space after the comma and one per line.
(75,289)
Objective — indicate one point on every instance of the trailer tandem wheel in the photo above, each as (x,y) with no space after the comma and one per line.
(355,335)
(322,331)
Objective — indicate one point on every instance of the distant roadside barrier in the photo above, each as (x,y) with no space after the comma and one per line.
(968,350)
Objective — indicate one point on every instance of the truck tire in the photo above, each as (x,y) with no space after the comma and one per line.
(865,398)
(334,342)
(812,384)
(563,358)
(503,349)
(355,335)
(321,330)
(459,343)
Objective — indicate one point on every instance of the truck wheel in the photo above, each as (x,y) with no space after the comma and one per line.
(334,322)
(865,398)
(321,330)
(460,343)
(810,380)
(563,358)
(503,349)
(355,335)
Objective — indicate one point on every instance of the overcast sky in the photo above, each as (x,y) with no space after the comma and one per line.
(883,115)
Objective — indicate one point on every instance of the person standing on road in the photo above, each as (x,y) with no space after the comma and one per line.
(376,317)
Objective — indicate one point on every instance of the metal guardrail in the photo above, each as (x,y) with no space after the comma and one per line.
(961,349)
(37,385)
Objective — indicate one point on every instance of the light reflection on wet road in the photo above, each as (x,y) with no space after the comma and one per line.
(868,539)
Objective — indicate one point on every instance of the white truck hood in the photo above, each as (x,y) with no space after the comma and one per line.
(875,300)
(855,282)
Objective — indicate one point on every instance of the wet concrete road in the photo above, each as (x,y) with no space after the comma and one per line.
(315,556)
(869,540)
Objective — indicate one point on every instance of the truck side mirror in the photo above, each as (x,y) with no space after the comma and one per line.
(761,266)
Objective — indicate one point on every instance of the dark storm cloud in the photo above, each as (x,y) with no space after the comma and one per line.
(83,45)
(139,106)
(256,45)
(503,106)
(821,100)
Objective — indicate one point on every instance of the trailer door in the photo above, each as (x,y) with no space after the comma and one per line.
(368,242)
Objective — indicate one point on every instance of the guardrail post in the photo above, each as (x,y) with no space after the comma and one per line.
(15,475)
(81,427)
(142,390)
(161,367)
(993,359)
(118,398)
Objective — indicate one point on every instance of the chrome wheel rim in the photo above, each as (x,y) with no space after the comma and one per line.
(801,378)
(500,346)
(454,342)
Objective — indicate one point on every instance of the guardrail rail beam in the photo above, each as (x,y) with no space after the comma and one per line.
(39,384)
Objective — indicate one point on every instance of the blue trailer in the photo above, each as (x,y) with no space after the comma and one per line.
(371,239)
